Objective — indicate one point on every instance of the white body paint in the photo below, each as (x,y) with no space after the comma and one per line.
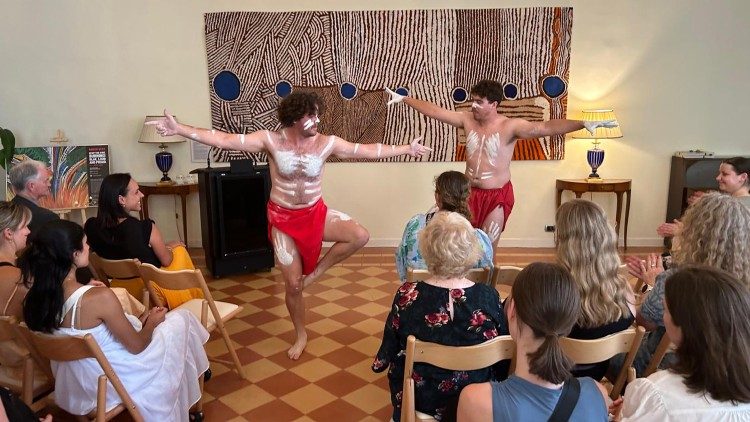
(242,138)
(194,136)
(380,147)
(280,246)
(338,215)
(483,147)
(494,231)
(289,161)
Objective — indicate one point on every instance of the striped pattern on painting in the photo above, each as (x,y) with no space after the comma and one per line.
(427,52)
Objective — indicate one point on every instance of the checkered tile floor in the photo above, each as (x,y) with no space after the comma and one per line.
(332,381)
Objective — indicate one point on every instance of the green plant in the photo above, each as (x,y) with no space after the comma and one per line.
(9,145)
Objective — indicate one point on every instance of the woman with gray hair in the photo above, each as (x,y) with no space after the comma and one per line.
(446,308)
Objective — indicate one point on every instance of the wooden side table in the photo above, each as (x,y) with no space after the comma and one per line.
(616,186)
(156,189)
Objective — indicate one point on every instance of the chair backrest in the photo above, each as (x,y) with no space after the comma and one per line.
(505,275)
(15,345)
(594,351)
(477,275)
(172,280)
(665,345)
(106,269)
(464,358)
(64,348)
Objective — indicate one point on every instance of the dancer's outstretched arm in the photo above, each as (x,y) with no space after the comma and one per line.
(453,118)
(251,142)
(524,129)
(345,149)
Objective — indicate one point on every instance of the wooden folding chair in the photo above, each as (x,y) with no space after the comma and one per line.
(28,387)
(63,348)
(221,312)
(585,352)
(121,269)
(477,275)
(503,278)
(465,358)
(665,345)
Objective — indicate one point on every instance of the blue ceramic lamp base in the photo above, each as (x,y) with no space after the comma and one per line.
(595,157)
(164,163)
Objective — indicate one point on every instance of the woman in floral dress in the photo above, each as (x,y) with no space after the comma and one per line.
(446,308)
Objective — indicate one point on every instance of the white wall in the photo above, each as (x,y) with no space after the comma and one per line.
(671,70)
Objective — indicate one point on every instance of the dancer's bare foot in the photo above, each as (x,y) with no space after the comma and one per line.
(298,347)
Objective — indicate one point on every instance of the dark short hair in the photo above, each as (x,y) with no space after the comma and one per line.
(491,90)
(547,301)
(298,104)
(740,165)
(712,308)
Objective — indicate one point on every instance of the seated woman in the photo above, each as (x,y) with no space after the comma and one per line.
(446,308)
(451,194)
(115,234)
(733,179)
(543,306)
(715,232)
(14,230)
(707,316)
(158,358)
(586,245)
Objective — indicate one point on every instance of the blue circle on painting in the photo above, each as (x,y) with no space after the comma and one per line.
(553,86)
(227,85)
(510,91)
(402,91)
(348,90)
(459,95)
(283,88)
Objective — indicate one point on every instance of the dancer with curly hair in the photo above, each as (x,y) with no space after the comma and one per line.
(299,220)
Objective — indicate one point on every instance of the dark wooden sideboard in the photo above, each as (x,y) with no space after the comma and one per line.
(687,176)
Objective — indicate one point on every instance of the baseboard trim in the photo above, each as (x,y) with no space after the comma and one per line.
(511,242)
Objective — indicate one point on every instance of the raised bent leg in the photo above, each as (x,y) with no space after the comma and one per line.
(493,226)
(290,264)
(348,236)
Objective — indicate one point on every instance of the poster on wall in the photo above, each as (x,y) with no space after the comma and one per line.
(77,173)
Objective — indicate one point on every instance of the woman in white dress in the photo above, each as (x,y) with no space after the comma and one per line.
(159,357)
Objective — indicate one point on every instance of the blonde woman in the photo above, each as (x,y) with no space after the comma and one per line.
(14,230)
(587,246)
(447,308)
(715,232)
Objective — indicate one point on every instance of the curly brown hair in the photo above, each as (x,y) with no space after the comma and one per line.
(297,105)
(491,90)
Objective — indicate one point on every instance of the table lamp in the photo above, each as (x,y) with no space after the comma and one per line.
(595,156)
(163,157)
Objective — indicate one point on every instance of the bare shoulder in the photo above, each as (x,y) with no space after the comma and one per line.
(100,297)
(475,403)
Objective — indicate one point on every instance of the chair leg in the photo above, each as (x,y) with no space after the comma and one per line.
(231,350)
(101,399)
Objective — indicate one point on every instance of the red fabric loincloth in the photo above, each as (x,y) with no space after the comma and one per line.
(483,201)
(305,226)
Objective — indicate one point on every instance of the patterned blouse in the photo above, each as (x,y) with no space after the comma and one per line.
(421,309)
(407,253)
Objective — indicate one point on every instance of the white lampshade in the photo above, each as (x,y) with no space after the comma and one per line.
(600,132)
(149,135)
